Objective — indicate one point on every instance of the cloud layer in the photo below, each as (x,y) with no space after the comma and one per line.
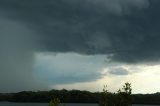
(124,30)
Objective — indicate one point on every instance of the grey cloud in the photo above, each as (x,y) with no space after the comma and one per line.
(118,7)
(118,71)
(126,30)
(77,26)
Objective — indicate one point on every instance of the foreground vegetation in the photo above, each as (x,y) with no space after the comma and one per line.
(121,98)
(54,102)
(77,96)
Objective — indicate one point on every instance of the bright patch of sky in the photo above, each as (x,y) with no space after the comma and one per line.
(75,71)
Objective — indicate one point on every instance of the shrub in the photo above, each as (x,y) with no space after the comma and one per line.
(54,102)
(121,98)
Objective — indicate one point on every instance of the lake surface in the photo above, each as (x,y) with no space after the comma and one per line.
(46,104)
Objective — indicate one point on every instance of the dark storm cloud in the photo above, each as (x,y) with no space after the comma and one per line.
(126,30)
(129,30)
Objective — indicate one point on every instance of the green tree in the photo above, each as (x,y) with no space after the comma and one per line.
(54,102)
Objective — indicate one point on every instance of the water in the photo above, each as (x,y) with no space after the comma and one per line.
(42,104)
(46,104)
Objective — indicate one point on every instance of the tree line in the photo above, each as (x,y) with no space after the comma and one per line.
(122,97)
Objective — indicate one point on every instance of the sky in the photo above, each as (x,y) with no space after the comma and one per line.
(79,44)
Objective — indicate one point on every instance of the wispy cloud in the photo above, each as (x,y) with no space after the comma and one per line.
(118,71)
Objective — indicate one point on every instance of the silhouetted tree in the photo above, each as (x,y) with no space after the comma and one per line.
(104,97)
(124,97)
(121,98)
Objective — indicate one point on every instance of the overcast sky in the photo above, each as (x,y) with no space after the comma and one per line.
(79,44)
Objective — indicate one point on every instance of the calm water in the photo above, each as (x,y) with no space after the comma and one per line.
(45,104)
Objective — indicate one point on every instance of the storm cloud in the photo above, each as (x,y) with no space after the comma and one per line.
(124,30)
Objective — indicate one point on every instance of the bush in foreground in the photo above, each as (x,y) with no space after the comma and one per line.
(121,98)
